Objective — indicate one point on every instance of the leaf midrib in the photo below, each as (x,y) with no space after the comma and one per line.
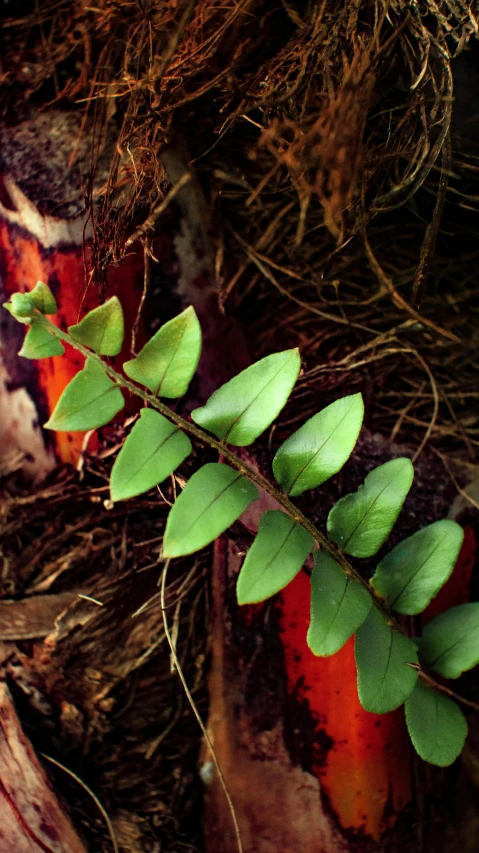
(370,507)
(103,332)
(274,557)
(313,457)
(152,454)
(415,574)
(188,530)
(331,624)
(255,398)
(173,356)
(83,407)
(461,639)
(382,678)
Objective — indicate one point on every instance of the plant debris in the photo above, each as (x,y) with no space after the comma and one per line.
(336,144)
(98,694)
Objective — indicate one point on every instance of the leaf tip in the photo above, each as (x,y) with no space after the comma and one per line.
(190,312)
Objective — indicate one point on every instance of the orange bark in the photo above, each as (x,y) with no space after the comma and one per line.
(361,759)
(24,261)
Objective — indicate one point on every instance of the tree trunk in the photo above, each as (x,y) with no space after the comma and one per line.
(32,820)
(306,767)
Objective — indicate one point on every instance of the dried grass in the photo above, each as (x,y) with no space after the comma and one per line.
(336,171)
(352,101)
(99,694)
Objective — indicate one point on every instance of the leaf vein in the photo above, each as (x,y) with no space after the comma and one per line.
(90,402)
(152,454)
(261,391)
(207,507)
(275,556)
(310,461)
(461,639)
(173,356)
(330,627)
(415,574)
(383,676)
(370,507)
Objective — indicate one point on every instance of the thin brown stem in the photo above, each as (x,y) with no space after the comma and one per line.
(144,295)
(257,479)
(239,464)
(195,710)
(428,679)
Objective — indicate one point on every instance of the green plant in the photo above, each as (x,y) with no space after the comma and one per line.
(393,668)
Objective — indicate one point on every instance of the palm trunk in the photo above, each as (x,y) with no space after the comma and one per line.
(307,769)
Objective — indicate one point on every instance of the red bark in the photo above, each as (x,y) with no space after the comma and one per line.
(32,820)
(38,248)
(353,779)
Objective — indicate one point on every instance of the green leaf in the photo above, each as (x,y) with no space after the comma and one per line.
(244,407)
(339,605)
(436,725)
(90,400)
(43,299)
(212,500)
(361,522)
(382,656)
(319,449)
(167,363)
(416,569)
(153,449)
(102,329)
(450,642)
(21,307)
(274,559)
(39,343)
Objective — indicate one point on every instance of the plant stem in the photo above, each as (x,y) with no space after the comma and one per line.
(442,688)
(233,459)
(256,478)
